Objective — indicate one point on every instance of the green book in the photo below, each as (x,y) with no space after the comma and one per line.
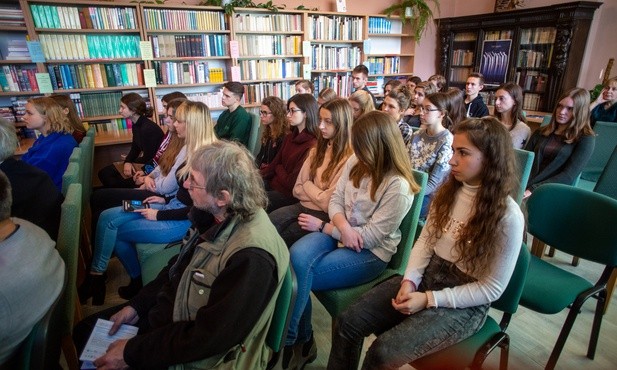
(109,72)
(34,9)
(55,17)
(49,19)
(125,75)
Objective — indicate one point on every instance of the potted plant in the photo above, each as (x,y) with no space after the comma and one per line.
(417,12)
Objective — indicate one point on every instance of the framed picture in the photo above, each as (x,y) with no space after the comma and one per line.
(505,5)
(495,61)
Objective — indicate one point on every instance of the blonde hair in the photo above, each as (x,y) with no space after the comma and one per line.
(66,103)
(199,129)
(52,112)
(579,126)
(364,100)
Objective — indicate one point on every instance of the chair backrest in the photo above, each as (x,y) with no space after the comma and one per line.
(546,120)
(253,145)
(68,248)
(607,183)
(282,312)
(91,133)
(524,160)
(70,176)
(39,349)
(409,226)
(87,153)
(575,221)
(508,302)
(606,140)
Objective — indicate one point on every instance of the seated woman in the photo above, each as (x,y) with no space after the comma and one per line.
(325,95)
(563,147)
(361,102)
(439,81)
(390,85)
(320,172)
(509,111)
(462,261)
(165,221)
(371,198)
(274,119)
(455,106)
(431,146)
(604,107)
(68,107)
(160,182)
(395,104)
(147,137)
(50,151)
(280,175)
(421,90)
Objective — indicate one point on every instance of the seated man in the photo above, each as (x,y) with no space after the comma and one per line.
(474,104)
(234,123)
(32,275)
(35,197)
(212,305)
(359,77)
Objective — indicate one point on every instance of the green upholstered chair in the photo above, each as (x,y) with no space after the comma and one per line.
(282,315)
(87,153)
(70,176)
(546,120)
(153,257)
(91,133)
(572,220)
(471,352)
(255,135)
(606,140)
(524,161)
(68,248)
(41,348)
(335,301)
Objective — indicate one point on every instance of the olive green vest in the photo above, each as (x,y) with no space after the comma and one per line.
(209,259)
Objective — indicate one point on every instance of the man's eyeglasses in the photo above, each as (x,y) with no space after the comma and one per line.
(293,110)
(193,187)
(264,113)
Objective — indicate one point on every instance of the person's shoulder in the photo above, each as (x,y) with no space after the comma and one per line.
(513,215)
(32,231)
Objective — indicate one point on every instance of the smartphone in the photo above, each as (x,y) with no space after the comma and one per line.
(133,205)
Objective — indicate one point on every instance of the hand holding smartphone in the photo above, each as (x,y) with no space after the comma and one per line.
(134,205)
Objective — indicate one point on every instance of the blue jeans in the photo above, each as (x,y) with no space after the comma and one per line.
(117,231)
(320,264)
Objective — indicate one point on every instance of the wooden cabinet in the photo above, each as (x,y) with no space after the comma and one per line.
(544,54)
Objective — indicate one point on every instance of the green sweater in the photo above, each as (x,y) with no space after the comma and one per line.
(234,126)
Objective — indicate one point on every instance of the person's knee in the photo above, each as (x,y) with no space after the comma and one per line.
(378,356)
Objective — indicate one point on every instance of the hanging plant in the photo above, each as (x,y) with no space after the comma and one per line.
(417,12)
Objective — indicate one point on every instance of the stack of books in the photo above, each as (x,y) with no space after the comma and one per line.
(11,17)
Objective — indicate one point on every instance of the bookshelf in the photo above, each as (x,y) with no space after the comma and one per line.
(543,55)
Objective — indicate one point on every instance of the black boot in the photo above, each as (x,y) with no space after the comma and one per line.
(131,290)
(93,286)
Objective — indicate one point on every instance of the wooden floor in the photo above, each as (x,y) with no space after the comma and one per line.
(532,335)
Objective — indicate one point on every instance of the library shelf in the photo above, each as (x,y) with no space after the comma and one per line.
(18,93)
(109,88)
(16,61)
(13,29)
(398,35)
(113,138)
(336,41)
(270,80)
(332,70)
(289,56)
(184,32)
(86,30)
(388,55)
(300,33)
(98,60)
(190,59)
(161,86)
(101,118)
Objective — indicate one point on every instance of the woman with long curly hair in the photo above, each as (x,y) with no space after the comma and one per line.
(462,261)
(273,114)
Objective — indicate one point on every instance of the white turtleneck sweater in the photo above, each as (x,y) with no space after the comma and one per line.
(507,242)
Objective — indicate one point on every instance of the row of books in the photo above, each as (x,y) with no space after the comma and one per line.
(532,102)
(18,78)
(375,85)
(534,59)
(334,57)
(334,27)
(211,99)
(116,126)
(255,93)
(383,65)
(462,57)
(460,74)
(174,73)
(96,104)
(498,35)
(465,36)
(341,83)
(94,76)
(178,19)
(268,22)
(540,35)
(253,45)
(269,69)
(16,49)
(532,81)
(171,46)
(11,16)
(83,47)
(379,25)
(71,17)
